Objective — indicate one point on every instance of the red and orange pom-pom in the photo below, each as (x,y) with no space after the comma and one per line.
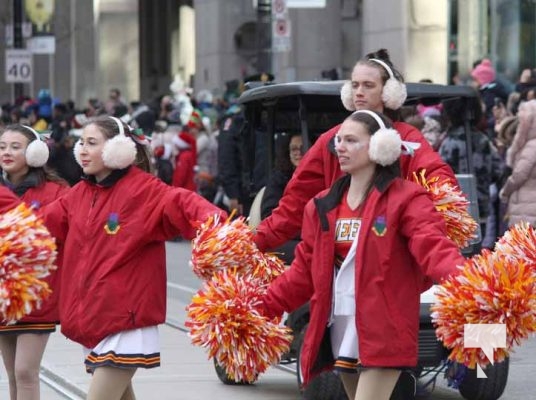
(519,243)
(222,245)
(27,254)
(266,267)
(224,317)
(490,289)
(453,206)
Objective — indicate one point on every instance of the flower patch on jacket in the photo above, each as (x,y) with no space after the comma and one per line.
(112,225)
(380,226)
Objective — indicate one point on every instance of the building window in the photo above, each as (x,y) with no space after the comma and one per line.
(502,30)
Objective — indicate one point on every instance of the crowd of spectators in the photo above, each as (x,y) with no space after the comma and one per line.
(185,130)
(503,171)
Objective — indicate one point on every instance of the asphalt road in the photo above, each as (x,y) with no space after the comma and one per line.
(182,284)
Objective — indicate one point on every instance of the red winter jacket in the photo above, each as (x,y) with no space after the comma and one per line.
(319,169)
(115,259)
(38,197)
(185,163)
(8,200)
(184,173)
(390,270)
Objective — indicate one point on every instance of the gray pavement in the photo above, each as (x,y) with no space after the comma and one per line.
(185,374)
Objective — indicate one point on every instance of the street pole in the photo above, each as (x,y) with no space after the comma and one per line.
(264,36)
(18,88)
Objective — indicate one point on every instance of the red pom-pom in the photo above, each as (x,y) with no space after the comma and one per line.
(224,245)
(490,289)
(224,317)
(451,203)
(27,254)
(519,243)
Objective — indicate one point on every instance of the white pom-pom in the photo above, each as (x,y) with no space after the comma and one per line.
(394,94)
(385,147)
(346,96)
(119,152)
(37,153)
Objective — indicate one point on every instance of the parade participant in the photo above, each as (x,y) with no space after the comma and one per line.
(368,244)
(375,85)
(23,156)
(114,224)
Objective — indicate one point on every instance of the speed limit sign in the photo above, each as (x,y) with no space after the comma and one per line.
(19,65)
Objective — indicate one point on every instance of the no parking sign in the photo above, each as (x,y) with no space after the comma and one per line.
(280,26)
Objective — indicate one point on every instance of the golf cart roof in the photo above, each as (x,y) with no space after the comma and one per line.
(417,92)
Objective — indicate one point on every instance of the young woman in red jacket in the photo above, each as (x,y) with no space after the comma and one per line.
(22,158)
(370,243)
(114,224)
(375,85)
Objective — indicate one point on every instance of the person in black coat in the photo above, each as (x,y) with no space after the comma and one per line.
(242,160)
(289,155)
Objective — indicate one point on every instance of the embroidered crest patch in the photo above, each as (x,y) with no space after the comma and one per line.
(112,225)
(380,226)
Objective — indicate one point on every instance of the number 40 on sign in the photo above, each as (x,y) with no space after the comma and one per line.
(18,66)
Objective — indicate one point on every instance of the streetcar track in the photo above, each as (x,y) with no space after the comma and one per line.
(176,324)
(71,391)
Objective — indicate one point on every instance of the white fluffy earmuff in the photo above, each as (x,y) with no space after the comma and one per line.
(37,152)
(385,144)
(120,151)
(394,92)
(346,96)
(77,148)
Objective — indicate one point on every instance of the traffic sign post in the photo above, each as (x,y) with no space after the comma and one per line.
(19,66)
(281,30)
(279,9)
(280,26)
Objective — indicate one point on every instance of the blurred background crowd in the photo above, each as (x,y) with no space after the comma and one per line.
(190,151)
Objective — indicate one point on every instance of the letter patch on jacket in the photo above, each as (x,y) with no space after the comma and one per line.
(112,225)
(347,229)
(380,226)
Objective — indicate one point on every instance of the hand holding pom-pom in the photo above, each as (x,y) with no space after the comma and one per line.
(27,254)
(226,317)
(490,289)
(225,245)
(451,203)
(221,245)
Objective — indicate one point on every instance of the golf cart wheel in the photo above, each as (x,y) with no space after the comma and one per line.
(490,388)
(224,378)
(326,386)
